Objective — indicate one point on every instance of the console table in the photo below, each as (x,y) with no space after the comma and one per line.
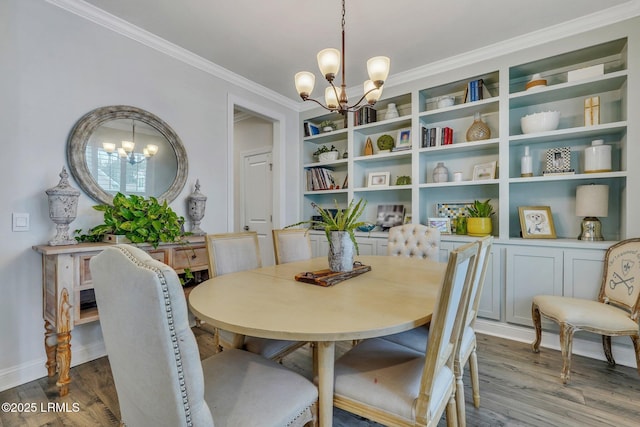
(68,298)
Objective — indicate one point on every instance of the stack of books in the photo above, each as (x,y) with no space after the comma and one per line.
(436,136)
(476,91)
(364,115)
(320,179)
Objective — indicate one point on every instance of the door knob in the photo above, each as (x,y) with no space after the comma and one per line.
(246,228)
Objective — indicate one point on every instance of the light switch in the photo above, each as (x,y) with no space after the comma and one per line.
(20,221)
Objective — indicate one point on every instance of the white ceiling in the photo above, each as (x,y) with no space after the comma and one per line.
(269,41)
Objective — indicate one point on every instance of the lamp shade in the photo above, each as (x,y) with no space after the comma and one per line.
(330,97)
(128,146)
(109,147)
(592,200)
(372,94)
(329,62)
(378,69)
(304,83)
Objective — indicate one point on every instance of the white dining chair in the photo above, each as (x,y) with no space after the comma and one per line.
(414,240)
(395,385)
(291,244)
(615,313)
(230,253)
(417,338)
(154,357)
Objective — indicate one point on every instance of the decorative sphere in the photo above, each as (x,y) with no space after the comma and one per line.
(385,142)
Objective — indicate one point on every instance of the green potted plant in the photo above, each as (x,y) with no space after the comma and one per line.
(328,126)
(325,154)
(339,228)
(139,219)
(479,221)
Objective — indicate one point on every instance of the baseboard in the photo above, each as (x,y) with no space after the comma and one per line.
(35,369)
(623,354)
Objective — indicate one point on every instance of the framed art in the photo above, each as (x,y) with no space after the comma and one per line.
(441,224)
(484,171)
(390,216)
(558,161)
(378,179)
(536,222)
(403,141)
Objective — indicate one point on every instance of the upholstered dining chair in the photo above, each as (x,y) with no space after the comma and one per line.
(291,244)
(154,356)
(414,240)
(396,385)
(615,313)
(230,253)
(417,338)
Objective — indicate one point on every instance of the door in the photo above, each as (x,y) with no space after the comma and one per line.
(257,201)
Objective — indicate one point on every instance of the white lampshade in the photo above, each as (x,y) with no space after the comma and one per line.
(592,200)
(304,83)
(378,69)
(128,146)
(152,149)
(330,98)
(121,152)
(375,94)
(329,62)
(109,147)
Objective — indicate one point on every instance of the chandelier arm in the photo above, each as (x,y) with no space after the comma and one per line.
(320,104)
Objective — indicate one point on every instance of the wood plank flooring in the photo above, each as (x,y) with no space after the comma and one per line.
(517,388)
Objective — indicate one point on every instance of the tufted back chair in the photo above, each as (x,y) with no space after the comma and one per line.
(414,240)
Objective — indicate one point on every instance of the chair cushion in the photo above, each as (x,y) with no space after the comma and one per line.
(267,347)
(586,314)
(235,384)
(386,375)
(416,338)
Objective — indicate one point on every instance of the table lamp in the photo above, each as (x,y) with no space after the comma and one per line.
(592,201)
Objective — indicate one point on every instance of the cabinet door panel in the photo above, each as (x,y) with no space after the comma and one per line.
(530,272)
(583,273)
(489,307)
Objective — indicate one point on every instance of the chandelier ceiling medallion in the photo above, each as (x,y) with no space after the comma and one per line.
(330,61)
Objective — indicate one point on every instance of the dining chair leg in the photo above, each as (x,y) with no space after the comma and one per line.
(537,323)
(460,409)
(636,345)
(566,344)
(473,373)
(606,345)
(452,413)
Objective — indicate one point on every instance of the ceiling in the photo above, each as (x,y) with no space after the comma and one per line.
(269,41)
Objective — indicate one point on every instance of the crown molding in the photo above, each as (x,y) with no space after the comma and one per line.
(124,28)
(555,32)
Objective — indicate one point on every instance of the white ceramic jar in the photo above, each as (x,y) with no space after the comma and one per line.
(597,158)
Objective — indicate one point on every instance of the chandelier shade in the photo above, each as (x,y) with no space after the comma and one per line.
(330,62)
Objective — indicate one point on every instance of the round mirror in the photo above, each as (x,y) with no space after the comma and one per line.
(128,150)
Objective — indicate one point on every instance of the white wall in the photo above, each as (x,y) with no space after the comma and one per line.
(55,67)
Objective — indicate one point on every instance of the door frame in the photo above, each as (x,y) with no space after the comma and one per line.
(277,156)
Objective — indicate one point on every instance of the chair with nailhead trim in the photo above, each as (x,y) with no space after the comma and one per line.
(156,365)
(414,240)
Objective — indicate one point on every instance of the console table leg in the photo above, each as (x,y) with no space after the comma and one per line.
(63,359)
(50,347)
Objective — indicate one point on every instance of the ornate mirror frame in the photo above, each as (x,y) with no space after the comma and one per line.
(87,125)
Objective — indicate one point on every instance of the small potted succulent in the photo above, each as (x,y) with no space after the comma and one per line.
(325,154)
(328,126)
(479,221)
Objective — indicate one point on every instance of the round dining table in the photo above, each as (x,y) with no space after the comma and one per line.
(396,295)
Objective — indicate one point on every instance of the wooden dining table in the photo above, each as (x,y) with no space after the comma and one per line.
(396,295)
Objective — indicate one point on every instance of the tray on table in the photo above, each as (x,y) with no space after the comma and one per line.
(329,278)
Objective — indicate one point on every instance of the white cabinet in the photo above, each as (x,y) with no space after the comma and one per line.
(544,270)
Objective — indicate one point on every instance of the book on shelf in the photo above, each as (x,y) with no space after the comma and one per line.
(365,115)
(436,136)
(401,148)
(476,90)
(319,179)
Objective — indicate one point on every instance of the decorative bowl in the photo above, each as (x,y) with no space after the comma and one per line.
(329,156)
(540,122)
(367,227)
(445,101)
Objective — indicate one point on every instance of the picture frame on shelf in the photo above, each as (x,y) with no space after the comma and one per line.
(390,216)
(484,171)
(558,161)
(313,129)
(536,222)
(378,179)
(443,225)
(403,140)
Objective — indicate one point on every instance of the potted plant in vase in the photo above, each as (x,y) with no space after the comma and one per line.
(479,221)
(339,229)
(328,126)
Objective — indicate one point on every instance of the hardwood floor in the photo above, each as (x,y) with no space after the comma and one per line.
(517,388)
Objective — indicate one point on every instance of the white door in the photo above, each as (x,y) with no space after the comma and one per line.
(257,201)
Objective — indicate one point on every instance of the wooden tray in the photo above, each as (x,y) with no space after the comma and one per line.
(330,278)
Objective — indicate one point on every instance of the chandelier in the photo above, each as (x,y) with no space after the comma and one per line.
(126,150)
(330,61)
